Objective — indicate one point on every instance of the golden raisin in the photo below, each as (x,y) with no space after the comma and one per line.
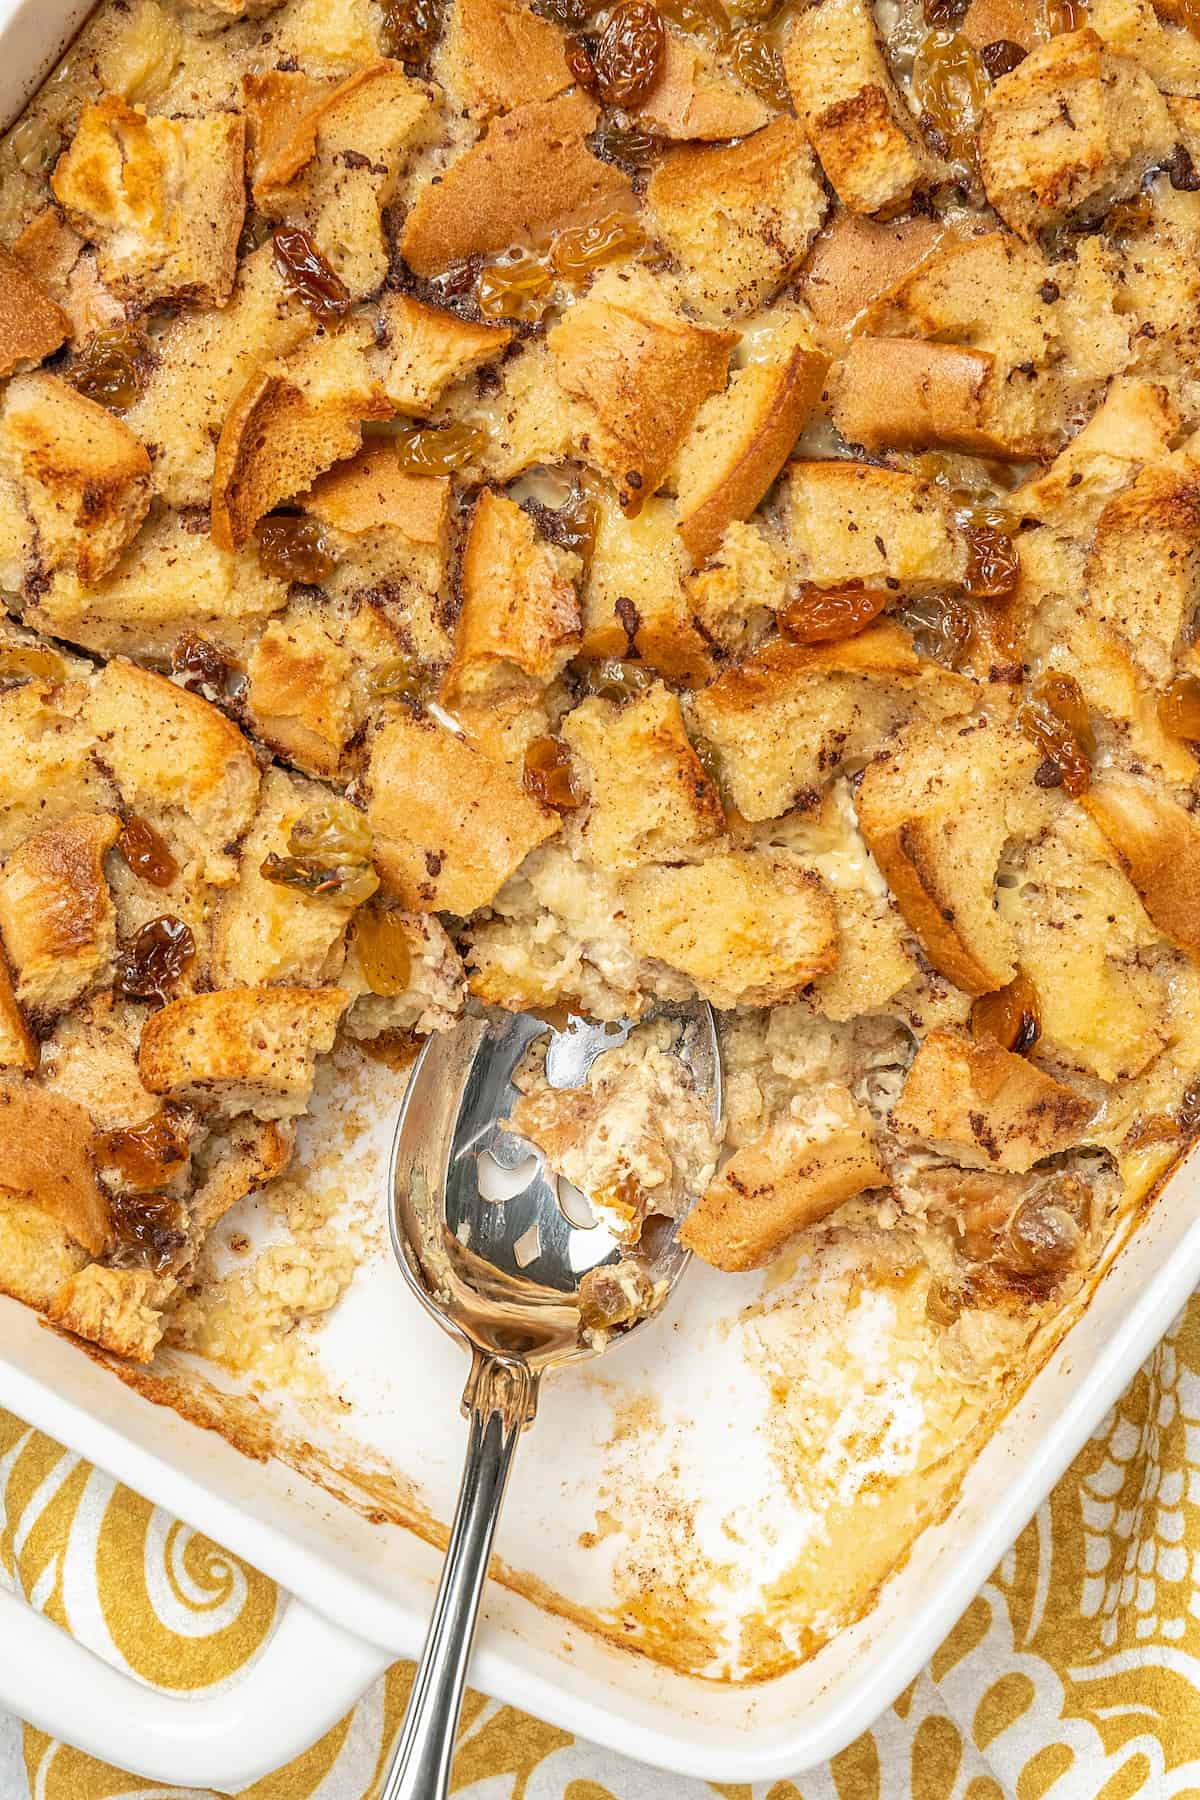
(294,548)
(399,678)
(950,88)
(1057,721)
(624,144)
(629,52)
(1002,56)
(1010,1017)
(151,1230)
(993,566)
(705,19)
(1179,708)
(349,883)
(307,275)
(1188,1112)
(944,13)
(1065,15)
(941,627)
(577,251)
(159,954)
(827,615)
(144,1156)
(201,662)
(517,287)
(614,1295)
(27,662)
(438,450)
(1045,1232)
(334,829)
(409,28)
(381,938)
(548,776)
(1128,218)
(111,367)
(757,62)
(146,853)
(572,525)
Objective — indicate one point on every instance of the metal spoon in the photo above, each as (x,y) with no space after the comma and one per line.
(502,1277)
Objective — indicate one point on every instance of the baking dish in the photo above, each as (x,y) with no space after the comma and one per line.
(362,1589)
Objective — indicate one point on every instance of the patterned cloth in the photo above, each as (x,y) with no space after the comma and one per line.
(1075,1673)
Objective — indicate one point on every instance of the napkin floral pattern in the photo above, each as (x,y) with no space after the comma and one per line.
(1075,1673)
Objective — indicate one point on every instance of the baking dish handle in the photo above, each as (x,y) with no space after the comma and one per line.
(310,1670)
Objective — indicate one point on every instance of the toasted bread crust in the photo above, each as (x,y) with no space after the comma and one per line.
(449,825)
(1158,846)
(746,445)
(241,1049)
(989,1104)
(32,325)
(48,1164)
(56,913)
(795,1174)
(642,373)
(530,175)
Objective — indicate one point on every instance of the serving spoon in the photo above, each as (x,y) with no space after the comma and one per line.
(496,1251)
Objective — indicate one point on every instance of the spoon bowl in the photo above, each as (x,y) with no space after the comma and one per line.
(495,1248)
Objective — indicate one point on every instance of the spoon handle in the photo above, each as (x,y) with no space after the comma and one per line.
(500,1400)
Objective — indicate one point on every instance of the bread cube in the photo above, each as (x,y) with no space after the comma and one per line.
(394,530)
(434,993)
(339,171)
(854,115)
(119,1309)
(649,800)
(47,769)
(1157,844)
(634,604)
(639,372)
(692,97)
(848,521)
(290,422)
(1082,938)
(241,1049)
(746,929)
(429,348)
(47,1165)
(519,621)
(987,1105)
(204,360)
(449,825)
(785,720)
(746,580)
(1142,574)
(299,697)
(162,199)
(807,1162)
(1134,425)
(169,581)
(1157,37)
(1018,22)
(83,475)
(857,261)
(18,1047)
(740,441)
(56,913)
(901,394)
(497,55)
(738,218)
(937,812)
(177,761)
(265,932)
(32,324)
(1068,132)
(530,175)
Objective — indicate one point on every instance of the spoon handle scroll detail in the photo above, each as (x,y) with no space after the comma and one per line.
(500,1399)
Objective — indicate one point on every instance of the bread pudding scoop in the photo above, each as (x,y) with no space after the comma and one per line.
(493,1253)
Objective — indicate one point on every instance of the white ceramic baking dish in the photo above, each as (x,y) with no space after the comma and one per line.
(361,1592)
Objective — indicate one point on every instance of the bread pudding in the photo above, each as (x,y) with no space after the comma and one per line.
(570,509)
